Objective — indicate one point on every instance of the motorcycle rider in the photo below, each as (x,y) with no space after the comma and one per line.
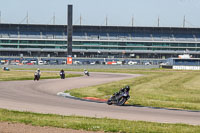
(86,72)
(120,97)
(37,74)
(62,74)
(123,90)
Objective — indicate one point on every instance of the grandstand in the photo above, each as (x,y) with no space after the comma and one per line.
(98,41)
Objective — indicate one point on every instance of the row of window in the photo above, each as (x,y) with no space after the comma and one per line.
(41,47)
(32,42)
(135,48)
(101,45)
(99,48)
(191,62)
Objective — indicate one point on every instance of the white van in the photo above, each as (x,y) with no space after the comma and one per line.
(147,63)
(24,61)
(132,63)
(76,62)
(34,62)
(119,62)
(40,63)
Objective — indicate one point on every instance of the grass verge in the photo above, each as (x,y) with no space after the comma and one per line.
(157,88)
(94,124)
(27,75)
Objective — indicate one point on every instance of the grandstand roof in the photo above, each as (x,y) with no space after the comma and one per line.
(99,29)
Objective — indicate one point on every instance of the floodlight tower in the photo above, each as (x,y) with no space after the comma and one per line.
(69,30)
(184,22)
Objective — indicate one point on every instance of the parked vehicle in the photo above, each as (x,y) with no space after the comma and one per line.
(64,62)
(24,62)
(162,64)
(119,62)
(111,63)
(29,63)
(85,62)
(147,63)
(132,63)
(33,62)
(76,62)
(120,97)
(92,63)
(97,62)
(40,63)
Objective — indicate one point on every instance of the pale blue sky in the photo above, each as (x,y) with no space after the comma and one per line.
(94,12)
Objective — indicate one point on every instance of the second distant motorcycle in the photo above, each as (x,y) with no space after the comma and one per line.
(62,74)
(86,72)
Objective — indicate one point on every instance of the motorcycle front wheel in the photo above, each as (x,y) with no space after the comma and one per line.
(121,101)
(109,102)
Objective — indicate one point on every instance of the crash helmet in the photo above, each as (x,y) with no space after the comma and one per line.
(127,88)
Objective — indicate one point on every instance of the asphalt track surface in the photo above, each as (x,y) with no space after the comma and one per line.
(41,97)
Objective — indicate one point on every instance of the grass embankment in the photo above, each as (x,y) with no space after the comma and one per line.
(94,124)
(156,88)
(28,75)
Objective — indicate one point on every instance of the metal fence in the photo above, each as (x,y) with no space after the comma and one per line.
(83,66)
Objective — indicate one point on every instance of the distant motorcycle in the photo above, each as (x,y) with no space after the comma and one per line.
(86,73)
(119,98)
(62,75)
(37,77)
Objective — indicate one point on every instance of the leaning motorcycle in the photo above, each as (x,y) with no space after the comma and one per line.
(118,98)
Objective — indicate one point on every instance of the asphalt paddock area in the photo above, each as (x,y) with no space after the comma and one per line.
(41,97)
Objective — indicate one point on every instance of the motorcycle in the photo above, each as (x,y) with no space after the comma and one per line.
(37,77)
(86,73)
(62,75)
(118,98)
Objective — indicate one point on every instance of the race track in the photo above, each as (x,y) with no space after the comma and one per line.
(42,97)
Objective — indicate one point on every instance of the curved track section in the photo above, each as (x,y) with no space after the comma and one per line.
(40,96)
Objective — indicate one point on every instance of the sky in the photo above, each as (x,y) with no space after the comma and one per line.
(94,12)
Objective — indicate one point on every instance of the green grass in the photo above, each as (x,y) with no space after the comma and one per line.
(28,75)
(94,124)
(156,88)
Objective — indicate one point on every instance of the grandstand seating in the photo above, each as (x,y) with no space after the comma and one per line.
(101,36)
(104,38)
